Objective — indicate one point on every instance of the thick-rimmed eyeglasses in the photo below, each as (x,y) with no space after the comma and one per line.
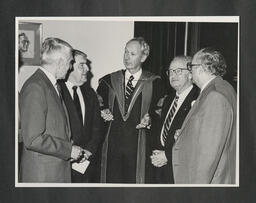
(191,65)
(177,71)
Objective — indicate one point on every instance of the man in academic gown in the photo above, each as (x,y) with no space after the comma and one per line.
(126,98)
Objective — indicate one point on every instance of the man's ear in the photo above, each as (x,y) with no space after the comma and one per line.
(190,76)
(143,58)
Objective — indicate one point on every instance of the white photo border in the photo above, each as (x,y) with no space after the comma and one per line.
(208,19)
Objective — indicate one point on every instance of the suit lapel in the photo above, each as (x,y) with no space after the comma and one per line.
(166,108)
(138,89)
(117,80)
(118,84)
(51,89)
(194,108)
(86,103)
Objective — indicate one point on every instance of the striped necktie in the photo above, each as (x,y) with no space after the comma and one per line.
(128,92)
(167,124)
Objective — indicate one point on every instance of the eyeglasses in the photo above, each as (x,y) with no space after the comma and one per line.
(177,71)
(191,65)
(82,67)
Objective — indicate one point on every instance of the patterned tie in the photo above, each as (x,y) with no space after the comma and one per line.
(128,92)
(167,124)
(77,103)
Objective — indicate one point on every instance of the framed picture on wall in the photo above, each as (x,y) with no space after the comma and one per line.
(29,42)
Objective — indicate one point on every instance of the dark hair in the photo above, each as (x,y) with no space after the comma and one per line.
(77,52)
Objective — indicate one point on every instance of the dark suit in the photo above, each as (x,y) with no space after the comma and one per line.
(87,135)
(45,131)
(165,173)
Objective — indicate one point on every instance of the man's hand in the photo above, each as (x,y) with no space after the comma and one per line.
(76,152)
(85,155)
(106,115)
(158,158)
(145,122)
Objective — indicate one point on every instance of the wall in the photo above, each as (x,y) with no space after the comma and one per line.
(102,41)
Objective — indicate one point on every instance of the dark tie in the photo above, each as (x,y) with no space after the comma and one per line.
(167,124)
(60,92)
(77,103)
(61,99)
(128,92)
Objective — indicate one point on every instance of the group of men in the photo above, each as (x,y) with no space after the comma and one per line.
(128,130)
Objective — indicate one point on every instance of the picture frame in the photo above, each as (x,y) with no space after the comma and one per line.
(29,42)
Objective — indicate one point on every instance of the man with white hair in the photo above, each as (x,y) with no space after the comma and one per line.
(205,149)
(174,111)
(44,121)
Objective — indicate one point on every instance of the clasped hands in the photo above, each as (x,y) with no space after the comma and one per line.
(144,123)
(158,158)
(79,154)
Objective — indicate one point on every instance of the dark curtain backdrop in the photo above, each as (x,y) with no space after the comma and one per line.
(223,37)
(166,40)
(246,9)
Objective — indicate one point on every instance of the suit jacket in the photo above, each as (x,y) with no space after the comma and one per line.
(46,133)
(205,150)
(167,174)
(88,135)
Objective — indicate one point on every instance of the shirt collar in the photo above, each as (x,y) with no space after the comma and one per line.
(69,84)
(49,75)
(135,75)
(205,84)
(185,92)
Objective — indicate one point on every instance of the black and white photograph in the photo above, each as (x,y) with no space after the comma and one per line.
(128,102)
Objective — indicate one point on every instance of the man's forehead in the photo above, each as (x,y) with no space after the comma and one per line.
(196,57)
(81,58)
(133,45)
(178,63)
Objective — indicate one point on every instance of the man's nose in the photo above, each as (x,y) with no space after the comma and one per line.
(126,56)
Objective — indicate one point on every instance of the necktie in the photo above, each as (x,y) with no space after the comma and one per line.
(77,103)
(128,92)
(59,91)
(168,121)
(61,99)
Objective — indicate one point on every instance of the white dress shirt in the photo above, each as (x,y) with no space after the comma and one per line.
(80,96)
(182,96)
(135,75)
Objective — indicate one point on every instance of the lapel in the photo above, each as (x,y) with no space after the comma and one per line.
(192,95)
(118,83)
(187,102)
(51,89)
(86,104)
(70,102)
(167,106)
(196,105)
